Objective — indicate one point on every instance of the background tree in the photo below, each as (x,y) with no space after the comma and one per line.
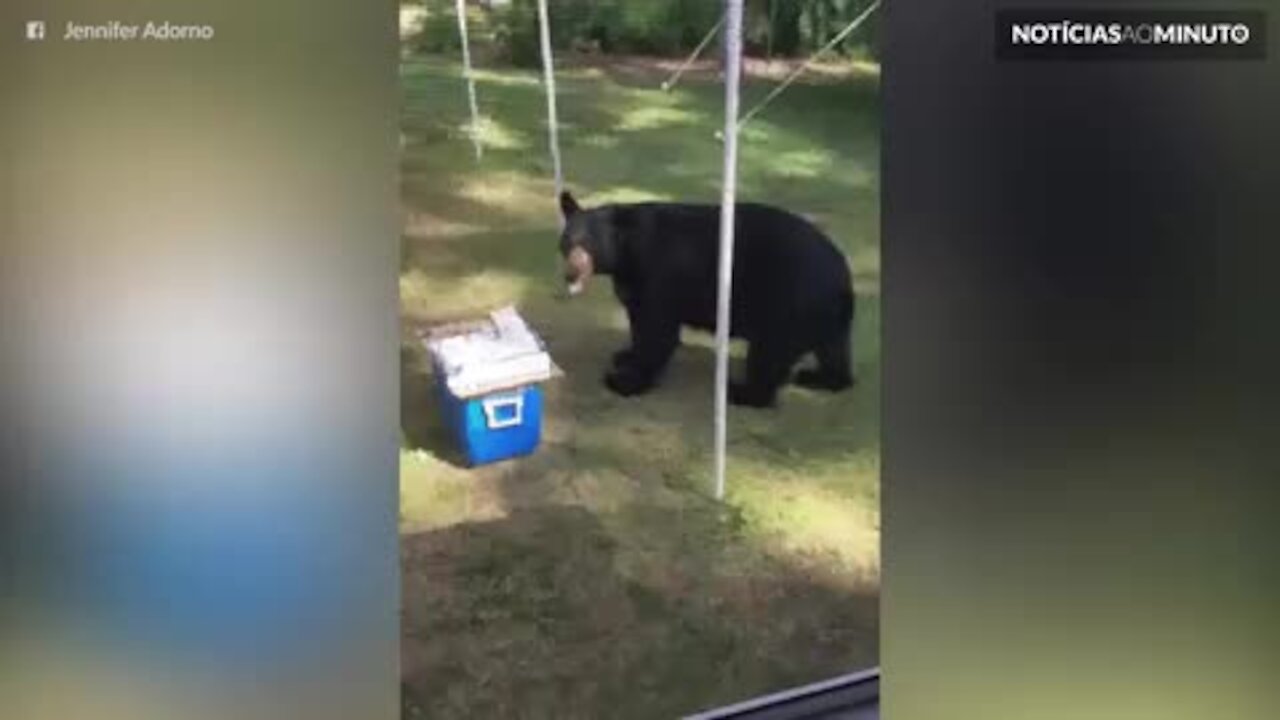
(772,28)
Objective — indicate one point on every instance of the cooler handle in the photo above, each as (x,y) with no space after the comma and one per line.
(493,405)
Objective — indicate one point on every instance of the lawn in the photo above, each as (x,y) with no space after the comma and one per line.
(598,578)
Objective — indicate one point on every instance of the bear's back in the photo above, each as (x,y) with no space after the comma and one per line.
(782,262)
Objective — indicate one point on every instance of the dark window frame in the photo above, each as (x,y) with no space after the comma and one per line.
(855,696)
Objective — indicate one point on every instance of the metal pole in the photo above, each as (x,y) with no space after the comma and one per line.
(549,81)
(471,83)
(733,70)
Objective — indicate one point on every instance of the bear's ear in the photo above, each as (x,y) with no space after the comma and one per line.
(568,206)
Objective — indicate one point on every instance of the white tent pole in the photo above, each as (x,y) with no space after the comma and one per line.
(549,81)
(733,70)
(471,83)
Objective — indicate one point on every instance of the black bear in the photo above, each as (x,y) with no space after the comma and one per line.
(792,292)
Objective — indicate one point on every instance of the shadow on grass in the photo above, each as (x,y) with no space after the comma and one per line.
(559,612)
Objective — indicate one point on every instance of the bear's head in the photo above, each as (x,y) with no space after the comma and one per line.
(587,243)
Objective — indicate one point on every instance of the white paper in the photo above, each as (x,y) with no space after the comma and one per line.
(507,351)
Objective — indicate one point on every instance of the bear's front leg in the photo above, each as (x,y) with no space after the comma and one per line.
(636,369)
(627,355)
(623,358)
(626,381)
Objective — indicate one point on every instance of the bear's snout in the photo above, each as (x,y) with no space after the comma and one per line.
(578,268)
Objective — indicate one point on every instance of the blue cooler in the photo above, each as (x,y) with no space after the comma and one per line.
(492,403)
(497,426)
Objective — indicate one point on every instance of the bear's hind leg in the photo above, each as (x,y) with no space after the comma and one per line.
(835,366)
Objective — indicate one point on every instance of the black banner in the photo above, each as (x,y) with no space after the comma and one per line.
(1130,35)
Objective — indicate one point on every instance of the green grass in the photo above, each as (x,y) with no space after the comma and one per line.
(598,578)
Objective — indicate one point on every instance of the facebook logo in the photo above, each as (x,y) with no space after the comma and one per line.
(35,30)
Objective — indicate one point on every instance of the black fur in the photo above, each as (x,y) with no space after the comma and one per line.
(792,291)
